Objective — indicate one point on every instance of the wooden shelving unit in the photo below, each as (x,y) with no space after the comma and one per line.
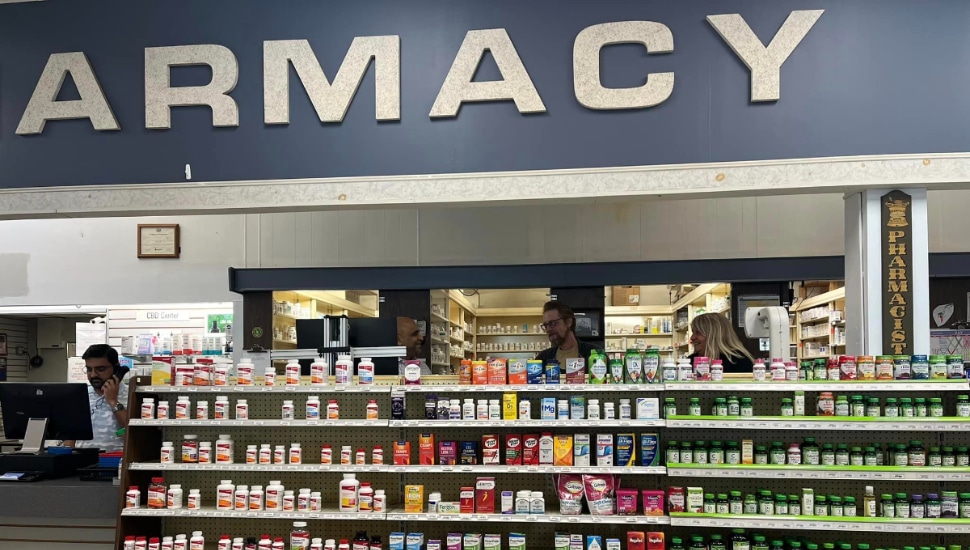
(290,306)
(819,326)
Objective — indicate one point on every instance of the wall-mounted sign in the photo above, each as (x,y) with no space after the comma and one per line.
(156,315)
(897,273)
(368,88)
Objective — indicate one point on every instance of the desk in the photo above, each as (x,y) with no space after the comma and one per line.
(61,513)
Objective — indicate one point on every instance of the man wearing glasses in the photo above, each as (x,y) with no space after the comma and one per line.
(559,322)
(107,396)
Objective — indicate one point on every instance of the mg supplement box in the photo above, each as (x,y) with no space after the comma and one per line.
(492,542)
(447,453)
(636,540)
(396,541)
(453,541)
(469,453)
(648,408)
(655,541)
(563,450)
(518,371)
(485,495)
(625,450)
(604,449)
(426,449)
(649,450)
(473,541)
(414,541)
(513,450)
(576,371)
(561,541)
(433,544)
(530,449)
(413,499)
(517,541)
(581,450)
(402,453)
(491,452)
(510,406)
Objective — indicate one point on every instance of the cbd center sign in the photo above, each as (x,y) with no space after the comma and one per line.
(331,97)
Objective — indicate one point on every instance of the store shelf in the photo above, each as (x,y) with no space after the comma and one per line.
(532,388)
(819,337)
(634,336)
(266,423)
(820,423)
(530,518)
(439,364)
(395,469)
(265,389)
(437,317)
(440,341)
(287,342)
(814,523)
(814,321)
(289,317)
(762,471)
(492,334)
(822,385)
(213,513)
(809,357)
(534,423)
(457,339)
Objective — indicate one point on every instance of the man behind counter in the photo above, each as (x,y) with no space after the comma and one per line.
(107,396)
(559,322)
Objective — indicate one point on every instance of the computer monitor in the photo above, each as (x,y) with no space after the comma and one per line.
(65,406)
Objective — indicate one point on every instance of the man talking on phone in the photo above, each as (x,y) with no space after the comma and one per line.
(107,396)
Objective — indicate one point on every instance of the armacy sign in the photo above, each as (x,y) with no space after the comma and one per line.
(331,98)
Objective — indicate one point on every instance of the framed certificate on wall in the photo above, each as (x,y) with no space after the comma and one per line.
(158,241)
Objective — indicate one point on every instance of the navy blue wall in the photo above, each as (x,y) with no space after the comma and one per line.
(872,77)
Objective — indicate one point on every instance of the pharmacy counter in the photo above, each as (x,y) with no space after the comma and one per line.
(66,511)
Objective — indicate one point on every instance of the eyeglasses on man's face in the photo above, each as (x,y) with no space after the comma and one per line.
(101,369)
(553,323)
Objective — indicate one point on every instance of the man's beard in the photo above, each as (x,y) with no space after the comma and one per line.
(96,383)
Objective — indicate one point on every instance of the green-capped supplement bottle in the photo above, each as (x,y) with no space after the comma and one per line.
(677,543)
(717,542)
(697,543)
(906,408)
(835,506)
(739,541)
(716,453)
(794,505)
(888,506)
(849,508)
(735,503)
(766,506)
(710,505)
(673,453)
(919,405)
(810,452)
(759,542)
(700,452)
(747,407)
(732,455)
(936,407)
(694,407)
(821,506)
(934,458)
(781,505)
(778,455)
(828,454)
(686,453)
(948,457)
(722,506)
(842,455)
(760,454)
(750,505)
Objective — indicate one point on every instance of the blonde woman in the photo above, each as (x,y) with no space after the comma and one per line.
(712,336)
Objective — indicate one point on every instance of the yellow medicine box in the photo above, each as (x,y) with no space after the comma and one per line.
(413,499)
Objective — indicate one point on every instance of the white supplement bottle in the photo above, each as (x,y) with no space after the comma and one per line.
(182,405)
(167,454)
(333,410)
(296,454)
(133,497)
(365,498)
(343,370)
(202,410)
(347,494)
(293,373)
(252,454)
(256,498)
(481,410)
(468,409)
(303,501)
(173,500)
(224,495)
(180,543)
(319,372)
(265,454)
(593,409)
(288,412)
(197,542)
(279,454)
(313,407)
(241,498)
(494,410)
(316,501)
(274,496)
(365,372)
(380,501)
(269,376)
(537,504)
(625,410)
(161,411)
(244,372)
(194,501)
(221,409)
(289,501)
(205,452)
(242,409)
(148,409)
(372,411)
(225,450)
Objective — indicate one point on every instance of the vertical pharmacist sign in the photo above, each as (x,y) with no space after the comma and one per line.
(897,273)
